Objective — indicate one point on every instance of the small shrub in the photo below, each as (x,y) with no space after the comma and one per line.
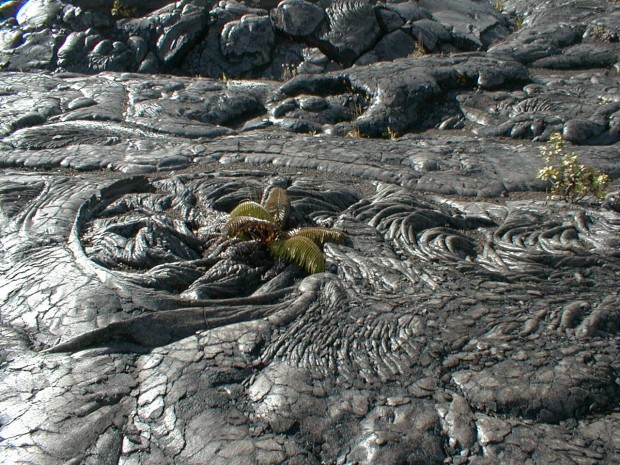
(519,23)
(602,33)
(120,10)
(357,102)
(419,50)
(570,180)
(599,32)
(390,134)
(461,79)
(356,133)
(288,72)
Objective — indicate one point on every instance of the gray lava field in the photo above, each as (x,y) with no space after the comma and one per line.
(469,318)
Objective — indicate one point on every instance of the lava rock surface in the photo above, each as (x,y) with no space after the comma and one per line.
(467,319)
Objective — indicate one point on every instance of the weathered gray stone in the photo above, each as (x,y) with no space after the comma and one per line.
(94,4)
(81,20)
(106,5)
(10,38)
(102,48)
(36,14)
(139,46)
(579,131)
(150,64)
(397,44)
(408,10)
(313,104)
(531,44)
(353,29)
(10,8)
(429,33)
(72,50)
(590,55)
(297,18)
(176,39)
(249,40)
(35,51)
(467,20)
(389,20)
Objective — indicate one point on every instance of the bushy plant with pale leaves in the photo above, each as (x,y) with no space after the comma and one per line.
(570,179)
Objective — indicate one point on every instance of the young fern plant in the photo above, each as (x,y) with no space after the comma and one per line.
(266,223)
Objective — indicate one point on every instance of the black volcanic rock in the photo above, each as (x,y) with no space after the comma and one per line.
(352,29)
(466,20)
(468,317)
(214,39)
(36,14)
(248,41)
(297,18)
(181,34)
(397,44)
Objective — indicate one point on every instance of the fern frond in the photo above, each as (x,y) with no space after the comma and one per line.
(278,204)
(250,227)
(253,209)
(299,250)
(319,235)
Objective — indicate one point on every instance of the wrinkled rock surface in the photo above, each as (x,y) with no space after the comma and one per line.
(467,319)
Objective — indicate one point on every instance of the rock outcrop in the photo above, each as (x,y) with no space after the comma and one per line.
(467,318)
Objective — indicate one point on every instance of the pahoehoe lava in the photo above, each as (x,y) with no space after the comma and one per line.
(467,319)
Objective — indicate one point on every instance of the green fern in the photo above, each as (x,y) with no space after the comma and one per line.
(253,209)
(253,221)
(299,250)
(318,235)
(247,227)
(278,204)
